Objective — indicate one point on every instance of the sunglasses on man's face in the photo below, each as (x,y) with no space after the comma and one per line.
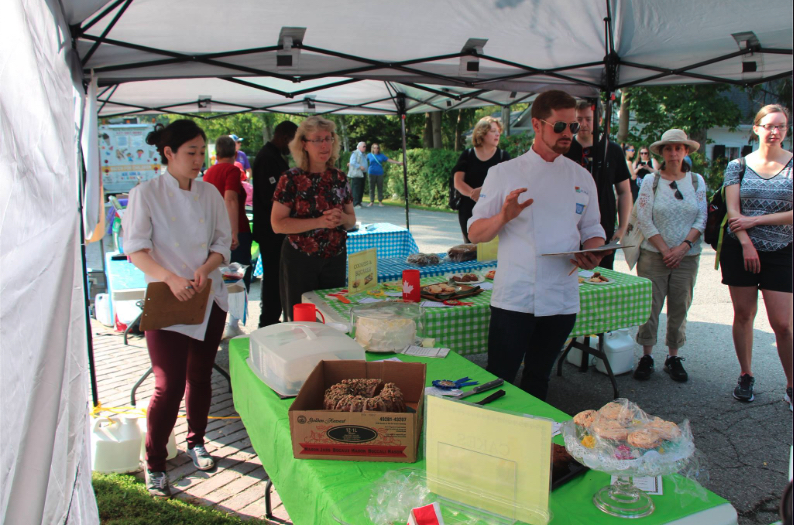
(678,194)
(559,127)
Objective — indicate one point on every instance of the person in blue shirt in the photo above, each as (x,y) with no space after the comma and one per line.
(241,157)
(376,160)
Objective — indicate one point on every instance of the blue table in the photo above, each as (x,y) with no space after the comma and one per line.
(122,276)
(390,240)
(391,268)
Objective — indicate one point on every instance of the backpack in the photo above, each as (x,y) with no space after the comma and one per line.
(718,213)
(454,195)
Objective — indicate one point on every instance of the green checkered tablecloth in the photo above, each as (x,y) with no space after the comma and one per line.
(464,329)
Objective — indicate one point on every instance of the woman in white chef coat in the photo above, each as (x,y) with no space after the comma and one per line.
(176,230)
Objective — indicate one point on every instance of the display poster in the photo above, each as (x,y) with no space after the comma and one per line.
(496,461)
(125,158)
(362,269)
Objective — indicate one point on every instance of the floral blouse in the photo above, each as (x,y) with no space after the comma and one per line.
(308,195)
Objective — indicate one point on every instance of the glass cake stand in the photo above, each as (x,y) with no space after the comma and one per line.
(623,499)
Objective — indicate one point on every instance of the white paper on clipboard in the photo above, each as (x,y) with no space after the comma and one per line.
(604,248)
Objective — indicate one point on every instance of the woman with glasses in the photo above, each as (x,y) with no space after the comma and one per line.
(628,151)
(756,251)
(472,167)
(312,205)
(644,165)
(672,216)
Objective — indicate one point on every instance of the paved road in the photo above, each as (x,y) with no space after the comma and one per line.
(745,447)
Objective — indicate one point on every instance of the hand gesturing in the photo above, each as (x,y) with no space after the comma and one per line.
(511,208)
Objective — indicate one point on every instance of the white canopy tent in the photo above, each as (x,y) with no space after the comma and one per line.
(173,54)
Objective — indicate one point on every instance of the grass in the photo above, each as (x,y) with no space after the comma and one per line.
(124,500)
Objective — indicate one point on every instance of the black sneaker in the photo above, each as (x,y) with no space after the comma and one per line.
(644,368)
(673,366)
(744,390)
(157,484)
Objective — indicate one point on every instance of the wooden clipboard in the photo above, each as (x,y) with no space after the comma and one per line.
(162,309)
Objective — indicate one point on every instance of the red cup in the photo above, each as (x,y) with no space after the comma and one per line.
(306,312)
(411,286)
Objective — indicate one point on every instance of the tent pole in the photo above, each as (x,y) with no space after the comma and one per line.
(86,296)
(401,109)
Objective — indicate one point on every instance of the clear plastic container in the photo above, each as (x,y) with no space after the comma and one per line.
(386,326)
(390,499)
(283,355)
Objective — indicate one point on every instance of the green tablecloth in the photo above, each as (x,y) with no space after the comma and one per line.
(311,489)
(464,329)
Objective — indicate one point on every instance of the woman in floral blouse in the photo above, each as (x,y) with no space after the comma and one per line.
(312,205)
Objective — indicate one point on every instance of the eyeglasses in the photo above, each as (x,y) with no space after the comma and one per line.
(559,127)
(678,194)
(643,152)
(329,140)
(771,127)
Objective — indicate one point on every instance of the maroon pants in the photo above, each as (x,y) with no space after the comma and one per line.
(179,360)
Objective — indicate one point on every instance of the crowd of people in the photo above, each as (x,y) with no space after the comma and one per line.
(571,190)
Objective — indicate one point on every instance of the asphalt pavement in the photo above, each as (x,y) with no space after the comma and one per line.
(745,447)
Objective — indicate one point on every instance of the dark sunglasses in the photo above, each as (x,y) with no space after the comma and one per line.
(678,194)
(559,127)
(643,152)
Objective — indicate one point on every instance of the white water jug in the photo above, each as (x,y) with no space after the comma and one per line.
(115,445)
(619,349)
(102,309)
(171,446)
(575,355)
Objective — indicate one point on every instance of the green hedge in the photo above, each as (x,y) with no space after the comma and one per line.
(428,176)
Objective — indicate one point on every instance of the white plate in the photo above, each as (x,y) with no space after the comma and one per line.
(480,278)
(585,273)
(609,281)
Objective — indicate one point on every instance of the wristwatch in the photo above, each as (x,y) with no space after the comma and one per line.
(689,243)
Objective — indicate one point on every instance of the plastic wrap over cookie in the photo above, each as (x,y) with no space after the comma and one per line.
(623,440)
(423,259)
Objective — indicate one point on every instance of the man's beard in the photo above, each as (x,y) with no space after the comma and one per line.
(561,149)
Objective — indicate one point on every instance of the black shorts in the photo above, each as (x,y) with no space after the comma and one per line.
(776,267)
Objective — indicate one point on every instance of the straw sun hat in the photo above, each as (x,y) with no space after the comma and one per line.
(673,136)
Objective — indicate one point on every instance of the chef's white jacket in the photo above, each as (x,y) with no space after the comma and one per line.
(180,228)
(563,215)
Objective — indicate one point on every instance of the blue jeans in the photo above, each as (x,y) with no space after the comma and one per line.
(514,337)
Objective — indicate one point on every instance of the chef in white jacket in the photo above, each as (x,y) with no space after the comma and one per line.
(540,202)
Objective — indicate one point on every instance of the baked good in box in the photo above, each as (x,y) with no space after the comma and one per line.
(385,334)
(362,395)
(463,252)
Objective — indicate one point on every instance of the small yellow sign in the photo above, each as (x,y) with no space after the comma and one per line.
(496,461)
(487,251)
(362,271)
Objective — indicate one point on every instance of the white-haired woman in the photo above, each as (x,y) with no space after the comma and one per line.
(672,216)
(312,205)
(473,165)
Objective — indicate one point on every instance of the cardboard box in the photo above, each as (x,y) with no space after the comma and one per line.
(358,436)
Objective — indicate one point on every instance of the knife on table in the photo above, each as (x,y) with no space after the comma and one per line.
(493,397)
(482,388)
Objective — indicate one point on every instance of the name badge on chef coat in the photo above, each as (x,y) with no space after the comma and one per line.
(579,208)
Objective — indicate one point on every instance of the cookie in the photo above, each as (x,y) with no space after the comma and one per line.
(644,438)
(666,430)
(585,418)
(616,411)
(434,288)
(610,429)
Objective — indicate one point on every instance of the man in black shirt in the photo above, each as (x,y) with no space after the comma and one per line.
(268,167)
(614,176)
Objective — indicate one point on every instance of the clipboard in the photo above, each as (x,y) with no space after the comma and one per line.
(162,309)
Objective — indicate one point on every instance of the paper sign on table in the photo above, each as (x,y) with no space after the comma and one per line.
(419,351)
(556,428)
(390,359)
(362,270)
(648,484)
(487,251)
(496,461)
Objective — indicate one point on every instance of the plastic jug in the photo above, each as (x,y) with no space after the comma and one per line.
(102,309)
(575,355)
(115,445)
(619,349)
(171,446)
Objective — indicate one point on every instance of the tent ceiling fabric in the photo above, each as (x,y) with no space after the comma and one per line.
(531,45)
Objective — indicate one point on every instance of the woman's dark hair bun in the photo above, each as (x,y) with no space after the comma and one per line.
(153,138)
